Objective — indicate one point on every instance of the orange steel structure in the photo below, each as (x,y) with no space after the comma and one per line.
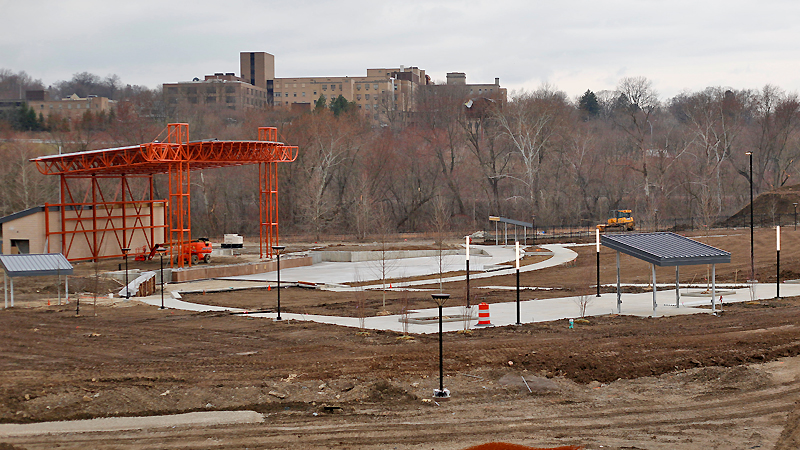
(97,209)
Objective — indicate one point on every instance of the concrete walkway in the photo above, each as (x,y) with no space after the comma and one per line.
(501,314)
(196,419)
(338,273)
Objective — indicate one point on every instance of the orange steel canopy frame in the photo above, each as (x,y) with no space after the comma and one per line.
(96,212)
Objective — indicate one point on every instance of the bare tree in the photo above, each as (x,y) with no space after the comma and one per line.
(531,123)
(636,104)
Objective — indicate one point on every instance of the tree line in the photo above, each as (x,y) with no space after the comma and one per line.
(537,156)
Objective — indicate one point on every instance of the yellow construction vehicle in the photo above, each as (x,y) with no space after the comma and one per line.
(619,218)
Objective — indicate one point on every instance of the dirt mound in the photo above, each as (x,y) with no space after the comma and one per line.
(790,437)
(768,208)
(382,391)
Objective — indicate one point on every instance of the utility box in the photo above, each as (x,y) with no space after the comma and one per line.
(232,241)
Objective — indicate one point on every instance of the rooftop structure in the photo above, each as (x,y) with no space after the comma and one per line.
(86,175)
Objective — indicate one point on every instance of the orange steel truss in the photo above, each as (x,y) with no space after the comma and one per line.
(99,214)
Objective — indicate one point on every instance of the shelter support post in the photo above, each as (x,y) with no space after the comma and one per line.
(5,289)
(653,266)
(619,292)
(677,287)
(66,287)
(713,288)
(12,291)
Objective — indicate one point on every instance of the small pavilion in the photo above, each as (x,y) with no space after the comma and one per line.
(666,249)
(33,266)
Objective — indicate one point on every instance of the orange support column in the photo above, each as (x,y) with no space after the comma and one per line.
(180,217)
(268,196)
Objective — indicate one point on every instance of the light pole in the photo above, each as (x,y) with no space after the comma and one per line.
(441,393)
(597,244)
(125,255)
(467,272)
(778,257)
(752,247)
(795,216)
(278,249)
(517,252)
(161,251)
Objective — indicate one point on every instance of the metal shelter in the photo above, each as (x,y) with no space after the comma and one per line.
(506,222)
(666,249)
(33,266)
(97,184)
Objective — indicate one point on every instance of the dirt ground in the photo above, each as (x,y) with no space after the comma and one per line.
(685,382)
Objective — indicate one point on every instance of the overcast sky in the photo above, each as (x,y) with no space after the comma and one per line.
(573,45)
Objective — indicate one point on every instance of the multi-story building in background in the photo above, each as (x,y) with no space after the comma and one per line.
(221,89)
(71,108)
(382,95)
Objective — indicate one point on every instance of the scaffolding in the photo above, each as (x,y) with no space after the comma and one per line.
(108,195)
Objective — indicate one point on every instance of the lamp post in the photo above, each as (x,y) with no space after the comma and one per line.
(778,257)
(161,251)
(441,393)
(795,216)
(467,272)
(278,249)
(597,245)
(125,255)
(752,247)
(517,252)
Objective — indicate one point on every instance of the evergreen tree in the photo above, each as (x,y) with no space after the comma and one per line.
(588,104)
(26,119)
(341,105)
(320,103)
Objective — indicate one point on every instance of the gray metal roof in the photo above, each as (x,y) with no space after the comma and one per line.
(36,209)
(665,249)
(511,221)
(35,265)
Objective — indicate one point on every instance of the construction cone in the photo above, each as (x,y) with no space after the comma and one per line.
(269,288)
(483,315)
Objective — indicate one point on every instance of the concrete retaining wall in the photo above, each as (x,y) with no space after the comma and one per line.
(359,256)
(203,271)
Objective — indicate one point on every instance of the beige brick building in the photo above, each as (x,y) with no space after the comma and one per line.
(383,95)
(71,108)
(222,90)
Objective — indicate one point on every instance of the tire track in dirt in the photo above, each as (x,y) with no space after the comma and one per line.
(414,427)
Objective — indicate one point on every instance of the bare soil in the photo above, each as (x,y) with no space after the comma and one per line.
(686,382)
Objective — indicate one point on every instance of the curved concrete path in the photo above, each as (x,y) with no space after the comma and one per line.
(338,273)
(531,309)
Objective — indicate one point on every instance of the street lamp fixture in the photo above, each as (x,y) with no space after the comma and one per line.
(752,245)
(441,393)
(597,245)
(278,249)
(125,252)
(161,251)
(467,260)
(778,260)
(517,265)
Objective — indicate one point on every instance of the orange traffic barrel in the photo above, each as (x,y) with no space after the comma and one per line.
(483,315)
